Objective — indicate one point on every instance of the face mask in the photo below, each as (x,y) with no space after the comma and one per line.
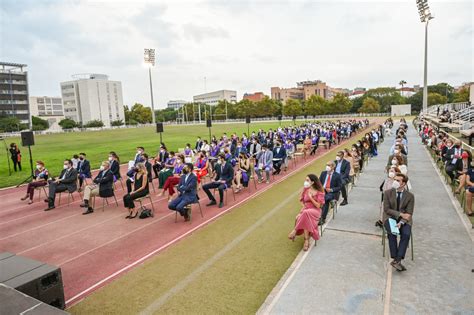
(391,174)
(219,162)
(65,167)
(178,161)
(328,168)
(102,167)
(139,152)
(396,151)
(394,162)
(110,158)
(395,185)
(185,171)
(306,184)
(38,167)
(338,158)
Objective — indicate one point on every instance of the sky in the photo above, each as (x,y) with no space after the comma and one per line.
(244,45)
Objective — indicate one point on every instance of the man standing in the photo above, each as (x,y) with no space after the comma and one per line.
(343,168)
(398,204)
(222,181)
(187,192)
(66,181)
(332,184)
(102,186)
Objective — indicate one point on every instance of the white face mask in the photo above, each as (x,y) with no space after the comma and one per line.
(102,167)
(395,185)
(139,152)
(306,184)
(338,158)
(394,162)
(65,167)
(38,167)
(396,151)
(328,168)
(391,174)
(110,158)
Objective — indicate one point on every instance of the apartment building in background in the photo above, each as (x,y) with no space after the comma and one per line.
(302,91)
(177,104)
(254,97)
(47,108)
(14,92)
(93,97)
(213,98)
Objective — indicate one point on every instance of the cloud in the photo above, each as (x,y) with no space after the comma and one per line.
(199,33)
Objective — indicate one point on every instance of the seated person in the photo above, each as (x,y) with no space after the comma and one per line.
(279,155)
(167,171)
(290,149)
(160,159)
(102,186)
(469,191)
(67,180)
(398,204)
(40,178)
(223,180)
(137,159)
(115,165)
(188,154)
(462,165)
(187,192)
(332,184)
(242,175)
(140,189)
(83,169)
(201,166)
(343,167)
(264,163)
(173,180)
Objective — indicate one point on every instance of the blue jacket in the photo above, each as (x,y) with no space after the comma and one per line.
(84,168)
(187,188)
(281,154)
(345,169)
(226,174)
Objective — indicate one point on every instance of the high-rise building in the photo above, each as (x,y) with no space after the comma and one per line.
(14,92)
(213,98)
(93,97)
(177,104)
(283,94)
(47,108)
(254,97)
(303,91)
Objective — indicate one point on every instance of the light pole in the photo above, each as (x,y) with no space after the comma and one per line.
(425,17)
(149,58)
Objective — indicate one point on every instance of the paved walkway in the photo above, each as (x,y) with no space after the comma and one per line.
(346,273)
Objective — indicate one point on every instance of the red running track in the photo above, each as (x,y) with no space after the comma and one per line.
(85,247)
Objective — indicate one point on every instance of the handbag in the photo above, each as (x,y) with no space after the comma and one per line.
(146,213)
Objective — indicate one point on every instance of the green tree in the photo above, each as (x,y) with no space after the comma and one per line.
(138,114)
(266,108)
(10,124)
(245,108)
(461,96)
(167,114)
(436,98)
(386,96)
(94,124)
(68,123)
(292,108)
(116,123)
(39,124)
(370,105)
(339,104)
(224,106)
(315,105)
(443,89)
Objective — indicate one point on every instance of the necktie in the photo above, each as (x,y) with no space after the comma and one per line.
(398,200)
(328,182)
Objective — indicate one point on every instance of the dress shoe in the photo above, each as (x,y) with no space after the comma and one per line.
(403,267)
(470,214)
(221,204)
(213,202)
(46,200)
(49,208)
(89,210)
(84,205)
(24,198)
(344,202)
(397,265)
(322,221)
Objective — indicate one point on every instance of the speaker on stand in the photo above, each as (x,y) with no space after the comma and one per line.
(27,140)
(209,125)
(159,129)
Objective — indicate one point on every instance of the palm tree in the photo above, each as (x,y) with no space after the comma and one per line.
(402,83)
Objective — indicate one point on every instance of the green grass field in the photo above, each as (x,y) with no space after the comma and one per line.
(54,148)
(245,253)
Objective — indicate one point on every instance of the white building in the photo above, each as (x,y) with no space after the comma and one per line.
(47,108)
(176,104)
(213,98)
(93,97)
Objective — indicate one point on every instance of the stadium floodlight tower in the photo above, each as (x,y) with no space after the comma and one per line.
(425,17)
(149,58)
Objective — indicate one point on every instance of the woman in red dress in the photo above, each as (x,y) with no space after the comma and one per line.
(307,220)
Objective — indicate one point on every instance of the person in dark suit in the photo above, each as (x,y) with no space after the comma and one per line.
(398,204)
(160,159)
(67,180)
(15,155)
(102,186)
(279,156)
(187,193)
(115,165)
(83,169)
(343,168)
(223,180)
(198,145)
(332,184)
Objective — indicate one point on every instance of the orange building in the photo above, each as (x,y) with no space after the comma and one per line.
(254,97)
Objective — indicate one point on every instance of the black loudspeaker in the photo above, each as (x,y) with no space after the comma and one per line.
(294,117)
(27,138)
(247,120)
(305,116)
(279,117)
(208,123)
(159,127)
